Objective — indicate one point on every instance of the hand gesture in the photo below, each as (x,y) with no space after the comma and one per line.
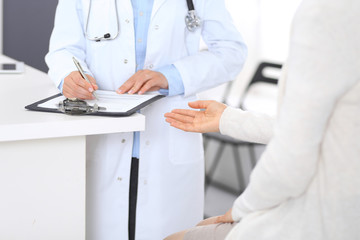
(206,120)
(143,81)
(75,86)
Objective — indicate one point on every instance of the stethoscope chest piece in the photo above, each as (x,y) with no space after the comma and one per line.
(192,21)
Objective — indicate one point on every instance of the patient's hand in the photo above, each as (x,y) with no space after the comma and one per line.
(206,120)
(226,218)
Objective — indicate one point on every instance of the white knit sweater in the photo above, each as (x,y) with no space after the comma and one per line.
(307,183)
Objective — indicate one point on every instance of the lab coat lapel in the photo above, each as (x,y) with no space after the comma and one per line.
(157,5)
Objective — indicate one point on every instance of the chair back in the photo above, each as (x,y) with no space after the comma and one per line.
(262,75)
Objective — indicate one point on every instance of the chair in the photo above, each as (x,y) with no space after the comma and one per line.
(259,77)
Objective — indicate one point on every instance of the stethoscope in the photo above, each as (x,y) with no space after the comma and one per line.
(192,22)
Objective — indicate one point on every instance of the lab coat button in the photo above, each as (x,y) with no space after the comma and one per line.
(125,61)
(141,13)
(151,66)
(127,20)
(145,182)
(123,141)
(140,40)
(147,143)
(119,179)
(156,27)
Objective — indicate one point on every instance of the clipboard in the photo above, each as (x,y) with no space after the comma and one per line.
(116,105)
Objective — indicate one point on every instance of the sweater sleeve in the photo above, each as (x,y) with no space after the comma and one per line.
(246,126)
(321,69)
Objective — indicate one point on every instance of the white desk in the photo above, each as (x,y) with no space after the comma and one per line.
(42,160)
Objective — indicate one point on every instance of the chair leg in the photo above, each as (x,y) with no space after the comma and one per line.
(239,168)
(205,142)
(252,154)
(209,175)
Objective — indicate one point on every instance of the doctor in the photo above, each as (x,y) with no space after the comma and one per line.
(132,46)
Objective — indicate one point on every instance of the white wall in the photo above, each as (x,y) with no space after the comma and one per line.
(276,19)
(265,27)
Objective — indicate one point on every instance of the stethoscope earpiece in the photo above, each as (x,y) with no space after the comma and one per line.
(105,37)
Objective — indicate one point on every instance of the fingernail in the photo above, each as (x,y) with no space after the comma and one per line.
(131,91)
(91,89)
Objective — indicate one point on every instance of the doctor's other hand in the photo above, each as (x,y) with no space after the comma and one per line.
(143,81)
(206,120)
(75,86)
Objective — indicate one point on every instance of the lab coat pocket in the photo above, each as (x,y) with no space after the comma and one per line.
(185,147)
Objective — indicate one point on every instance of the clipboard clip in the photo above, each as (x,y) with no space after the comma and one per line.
(78,107)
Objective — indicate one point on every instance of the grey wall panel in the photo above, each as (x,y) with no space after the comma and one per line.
(27,29)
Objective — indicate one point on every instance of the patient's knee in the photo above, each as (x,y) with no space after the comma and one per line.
(176,236)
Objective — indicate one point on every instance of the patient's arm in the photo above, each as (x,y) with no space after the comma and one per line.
(246,125)
(215,117)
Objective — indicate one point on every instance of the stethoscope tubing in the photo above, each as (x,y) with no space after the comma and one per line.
(97,39)
(190,5)
(191,20)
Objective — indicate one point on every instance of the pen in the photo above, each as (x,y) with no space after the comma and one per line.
(77,64)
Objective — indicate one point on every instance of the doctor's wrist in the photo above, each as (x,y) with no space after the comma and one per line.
(173,77)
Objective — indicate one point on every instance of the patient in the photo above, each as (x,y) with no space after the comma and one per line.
(307,183)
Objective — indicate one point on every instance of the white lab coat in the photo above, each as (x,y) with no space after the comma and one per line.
(171,172)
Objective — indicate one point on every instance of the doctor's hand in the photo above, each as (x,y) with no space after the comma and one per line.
(75,86)
(143,81)
(203,121)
